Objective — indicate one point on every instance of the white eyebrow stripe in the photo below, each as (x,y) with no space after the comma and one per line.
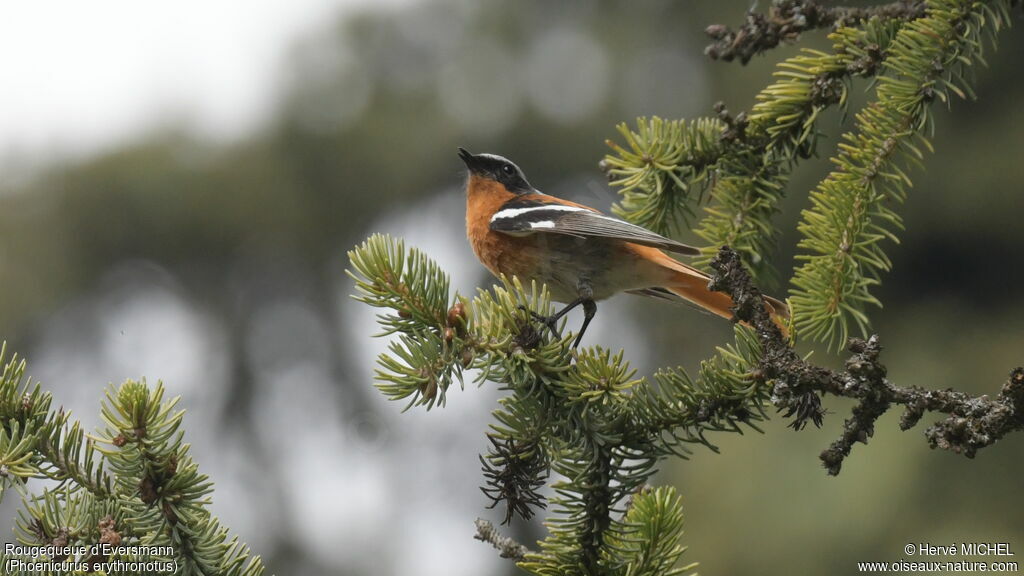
(513,212)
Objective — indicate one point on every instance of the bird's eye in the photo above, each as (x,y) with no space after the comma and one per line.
(508,169)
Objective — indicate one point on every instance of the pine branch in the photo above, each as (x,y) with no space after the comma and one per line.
(514,471)
(645,541)
(72,457)
(596,498)
(438,338)
(724,397)
(786,20)
(582,414)
(507,547)
(746,159)
(780,132)
(664,170)
(140,493)
(587,418)
(972,423)
(169,496)
(852,210)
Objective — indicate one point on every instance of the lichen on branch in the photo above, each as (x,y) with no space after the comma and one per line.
(786,20)
(972,423)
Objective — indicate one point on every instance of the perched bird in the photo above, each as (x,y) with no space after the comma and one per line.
(581,254)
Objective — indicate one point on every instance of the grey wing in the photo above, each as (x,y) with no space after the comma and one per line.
(585,224)
(594,224)
(659,293)
(663,294)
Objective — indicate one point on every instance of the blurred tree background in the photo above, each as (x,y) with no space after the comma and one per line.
(217,267)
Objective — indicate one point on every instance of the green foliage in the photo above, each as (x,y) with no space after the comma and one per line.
(748,159)
(723,398)
(439,339)
(404,277)
(853,210)
(782,131)
(665,170)
(583,415)
(645,542)
(132,486)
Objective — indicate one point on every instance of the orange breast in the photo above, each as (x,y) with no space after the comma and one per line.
(500,253)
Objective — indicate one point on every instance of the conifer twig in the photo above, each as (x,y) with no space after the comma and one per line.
(787,19)
(972,422)
(506,546)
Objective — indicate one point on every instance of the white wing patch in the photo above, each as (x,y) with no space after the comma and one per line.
(580,223)
(510,213)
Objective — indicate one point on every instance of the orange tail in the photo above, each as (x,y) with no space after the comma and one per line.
(719,303)
(691,285)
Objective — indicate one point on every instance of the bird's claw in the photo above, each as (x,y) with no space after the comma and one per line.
(551,322)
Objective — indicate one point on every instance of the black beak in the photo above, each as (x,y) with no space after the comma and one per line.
(472,162)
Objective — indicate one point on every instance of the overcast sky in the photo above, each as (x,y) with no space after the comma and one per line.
(83,77)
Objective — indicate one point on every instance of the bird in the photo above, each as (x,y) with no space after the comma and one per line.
(580,253)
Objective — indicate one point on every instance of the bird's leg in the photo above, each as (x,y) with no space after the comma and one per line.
(552,321)
(589,310)
(586,298)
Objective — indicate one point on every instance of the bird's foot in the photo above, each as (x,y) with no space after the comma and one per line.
(551,322)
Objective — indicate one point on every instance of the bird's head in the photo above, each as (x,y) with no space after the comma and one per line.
(498,169)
